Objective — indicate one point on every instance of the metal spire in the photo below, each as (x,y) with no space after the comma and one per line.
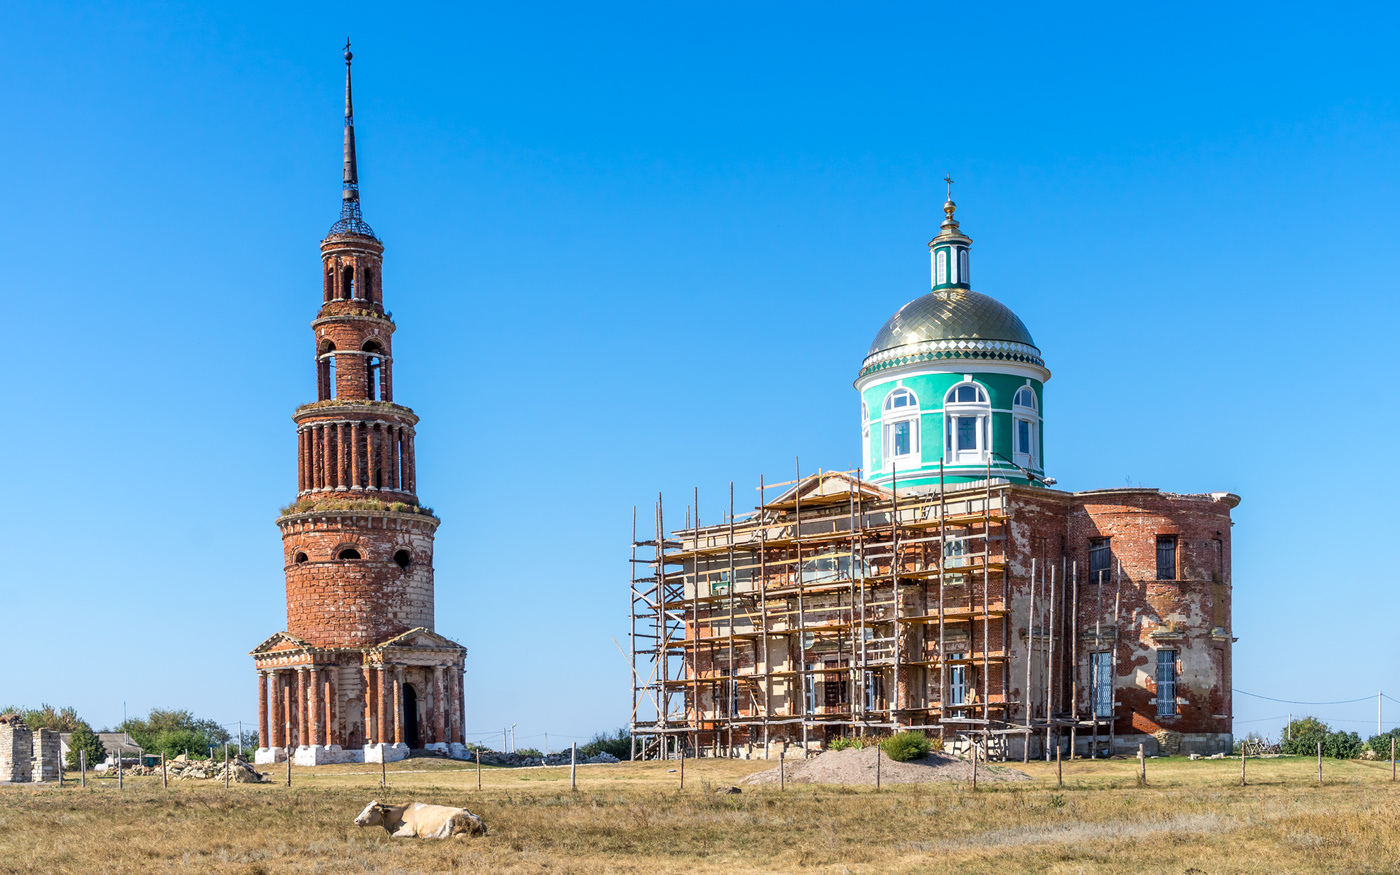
(351,220)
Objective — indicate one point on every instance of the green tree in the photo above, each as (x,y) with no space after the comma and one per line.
(619,745)
(84,739)
(1301,736)
(47,716)
(173,732)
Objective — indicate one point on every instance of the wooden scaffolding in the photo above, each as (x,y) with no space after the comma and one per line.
(836,608)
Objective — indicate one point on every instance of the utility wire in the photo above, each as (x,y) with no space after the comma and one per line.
(1292,702)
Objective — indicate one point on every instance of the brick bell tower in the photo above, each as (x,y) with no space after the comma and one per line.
(359,675)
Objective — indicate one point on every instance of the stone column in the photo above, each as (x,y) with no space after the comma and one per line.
(299,714)
(370,726)
(313,710)
(342,453)
(394,465)
(332,724)
(454,681)
(369,455)
(355,456)
(301,459)
(379,461)
(278,721)
(438,700)
(398,704)
(409,475)
(263,739)
(289,707)
(327,460)
(383,724)
(459,702)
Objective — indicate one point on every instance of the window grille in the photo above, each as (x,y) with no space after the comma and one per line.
(1102,683)
(1166,683)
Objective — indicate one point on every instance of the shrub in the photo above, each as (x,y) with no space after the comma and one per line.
(907,745)
(618,744)
(528,752)
(846,744)
(1380,744)
(84,739)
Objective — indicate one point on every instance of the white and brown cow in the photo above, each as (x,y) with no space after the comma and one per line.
(416,820)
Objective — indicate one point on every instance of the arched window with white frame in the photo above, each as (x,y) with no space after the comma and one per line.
(967,418)
(1025,423)
(899,423)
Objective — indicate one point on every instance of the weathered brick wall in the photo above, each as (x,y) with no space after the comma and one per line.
(16,753)
(357,602)
(1189,615)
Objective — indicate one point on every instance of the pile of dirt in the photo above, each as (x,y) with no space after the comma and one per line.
(853,766)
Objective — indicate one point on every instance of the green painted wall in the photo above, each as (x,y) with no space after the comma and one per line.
(931,388)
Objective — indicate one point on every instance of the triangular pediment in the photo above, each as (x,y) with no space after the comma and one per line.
(282,642)
(828,487)
(420,637)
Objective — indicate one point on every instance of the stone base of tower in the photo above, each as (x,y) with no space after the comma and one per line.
(329,704)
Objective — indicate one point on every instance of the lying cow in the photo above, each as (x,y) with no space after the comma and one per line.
(416,820)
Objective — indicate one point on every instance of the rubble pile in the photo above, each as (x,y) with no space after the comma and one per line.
(183,768)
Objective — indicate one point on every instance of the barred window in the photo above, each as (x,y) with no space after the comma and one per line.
(1166,557)
(1101,683)
(1166,683)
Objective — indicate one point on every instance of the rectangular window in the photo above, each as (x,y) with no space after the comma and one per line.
(957,681)
(902,438)
(1100,560)
(1166,683)
(1101,683)
(1023,437)
(811,693)
(1166,557)
(967,432)
(874,691)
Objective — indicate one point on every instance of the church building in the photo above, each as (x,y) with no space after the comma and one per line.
(358,675)
(945,585)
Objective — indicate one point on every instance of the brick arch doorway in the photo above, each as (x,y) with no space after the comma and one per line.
(410,717)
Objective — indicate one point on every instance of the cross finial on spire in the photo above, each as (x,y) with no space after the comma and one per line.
(948,179)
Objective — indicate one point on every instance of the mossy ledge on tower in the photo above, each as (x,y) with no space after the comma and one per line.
(315,506)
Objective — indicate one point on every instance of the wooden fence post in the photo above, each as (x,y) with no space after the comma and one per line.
(682,768)
(974,766)
(383,769)
(82,764)
(877,768)
(119,766)
(226,765)
(289,765)
(1319,762)
(478,770)
(573,766)
(1142,760)
(782,770)
(1059,768)
(164,779)
(1244,755)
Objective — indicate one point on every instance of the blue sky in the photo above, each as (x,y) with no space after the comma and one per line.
(598,219)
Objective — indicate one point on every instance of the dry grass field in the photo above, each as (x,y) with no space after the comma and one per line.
(1193,817)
